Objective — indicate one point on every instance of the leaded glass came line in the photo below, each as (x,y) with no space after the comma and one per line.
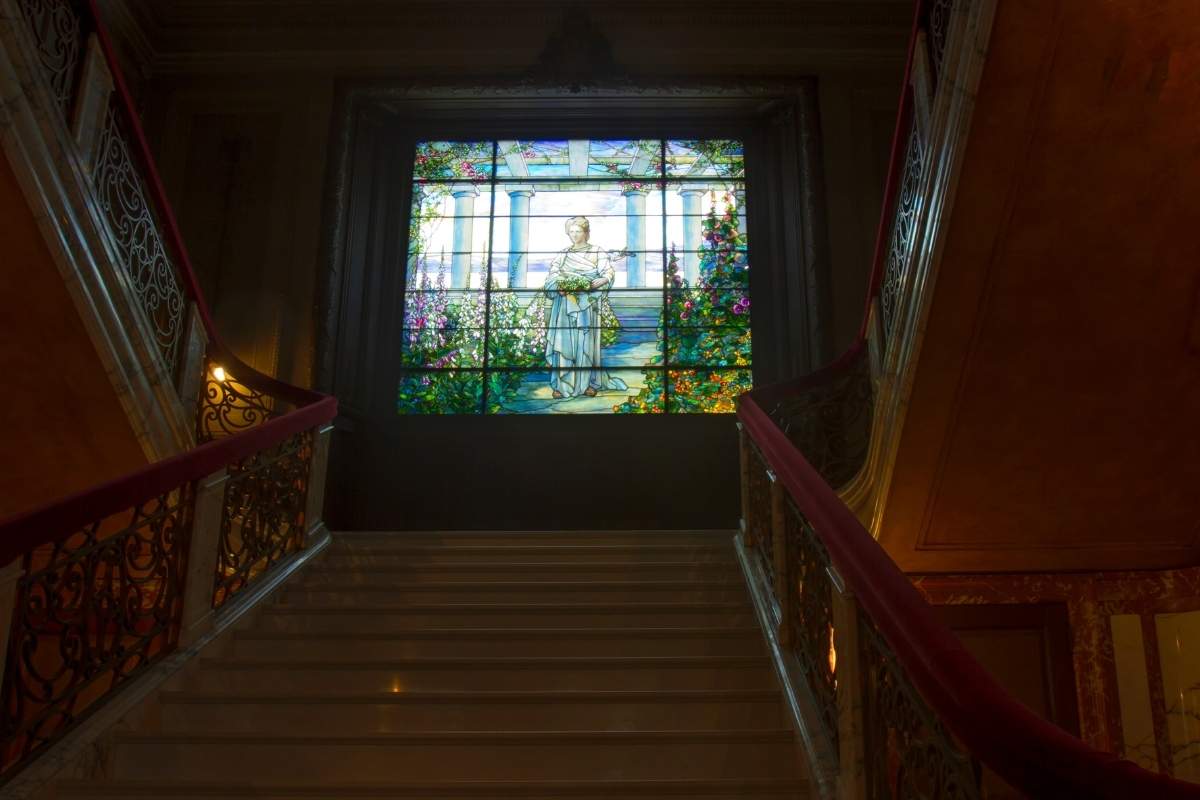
(579,276)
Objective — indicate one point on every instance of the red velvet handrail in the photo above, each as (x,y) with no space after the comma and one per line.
(24,531)
(1030,753)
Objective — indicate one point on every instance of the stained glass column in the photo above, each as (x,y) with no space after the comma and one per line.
(518,236)
(464,226)
(692,209)
(635,238)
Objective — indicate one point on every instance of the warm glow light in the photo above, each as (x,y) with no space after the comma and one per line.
(832,653)
(218,374)
(397,686)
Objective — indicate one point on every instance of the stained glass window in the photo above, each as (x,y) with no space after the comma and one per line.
(576,277)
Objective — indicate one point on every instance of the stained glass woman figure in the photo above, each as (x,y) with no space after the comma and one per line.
(579,279)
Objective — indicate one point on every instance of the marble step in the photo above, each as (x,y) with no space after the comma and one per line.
(299,617)
(494,538)
(499,642)
(716,789)
(484,674)
(505,570)
(393,555)
(516,592)
(345,715)
(433,755)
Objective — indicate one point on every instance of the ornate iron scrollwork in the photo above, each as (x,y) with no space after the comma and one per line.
(831,424)
(937,26)
(909,754)
(152,276)
(810,614)
(93,610)
(758,516)
(904,229)
(263,516)
(58,31)
(228,406)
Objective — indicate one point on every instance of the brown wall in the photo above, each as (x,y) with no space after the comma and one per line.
(1055,418)
(63,426)
(244,162)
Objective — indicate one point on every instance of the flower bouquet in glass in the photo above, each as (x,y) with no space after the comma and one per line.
(574,284)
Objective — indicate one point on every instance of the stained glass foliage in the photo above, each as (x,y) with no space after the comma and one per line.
(576,277)
(464,161)
(705,157)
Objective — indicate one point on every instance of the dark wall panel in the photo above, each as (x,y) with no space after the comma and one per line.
(527,473)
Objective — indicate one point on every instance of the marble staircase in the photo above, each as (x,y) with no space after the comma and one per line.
(476,665)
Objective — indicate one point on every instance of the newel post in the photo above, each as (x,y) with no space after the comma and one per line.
(315,506)
(202,557)
(852,784)
(10,578)
(190,378)
(744,475)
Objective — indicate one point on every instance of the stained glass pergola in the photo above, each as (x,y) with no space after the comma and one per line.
(693,168)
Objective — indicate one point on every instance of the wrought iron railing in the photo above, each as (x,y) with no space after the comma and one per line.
(59,30)
(935,21)
(928,717)
(807,603)
(760,535)
(56,27)
(153,277)
(904,710)
(902,238)
(92,609)
(263,514)
(108,582)
(828,417)
(908,752)
(898,236)
(228,405)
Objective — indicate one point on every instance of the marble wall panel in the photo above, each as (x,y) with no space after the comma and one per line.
(1179,651)
(1092,600)
(1133,690)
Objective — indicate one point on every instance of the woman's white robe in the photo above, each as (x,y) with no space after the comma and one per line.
(573,329)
